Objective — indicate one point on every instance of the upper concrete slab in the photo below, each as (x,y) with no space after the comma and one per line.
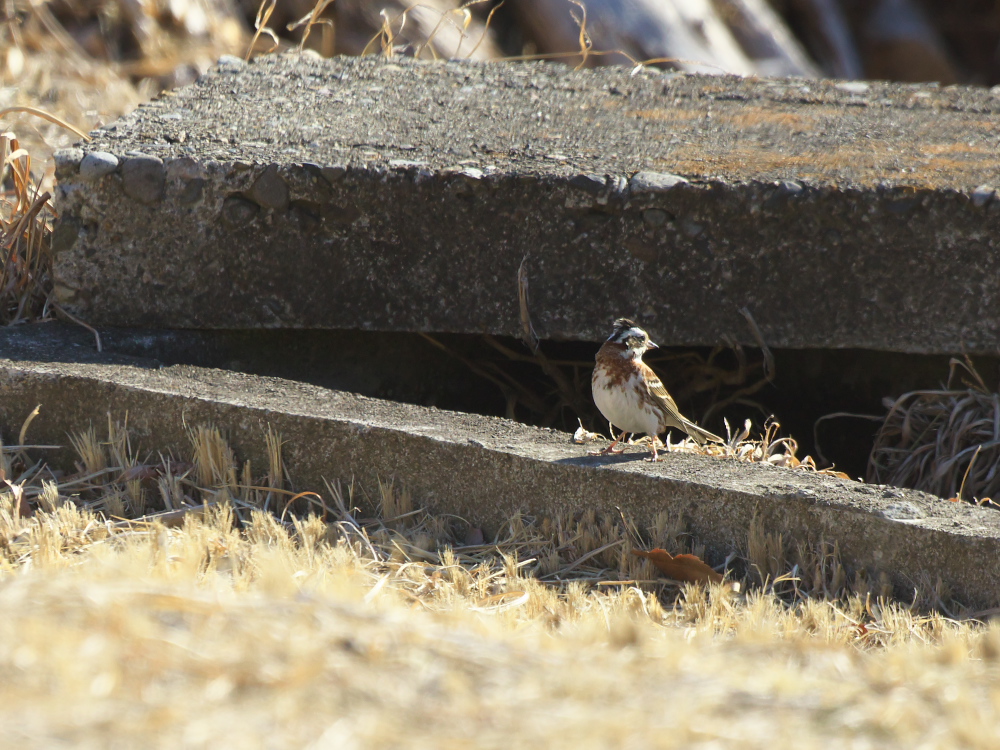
(396,195)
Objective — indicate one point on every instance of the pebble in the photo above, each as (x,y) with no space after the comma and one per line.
(406,164)
(143,178)
(270,191)
(97,164)
(654,182)
(589,183)
(654,217)
(185,168)
(903,511)
(67,160)
(691,228)
(238,212)
(853,87)
(334,173)
(231,63)
(790,187)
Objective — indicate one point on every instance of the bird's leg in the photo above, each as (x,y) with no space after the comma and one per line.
(652,447)
(611,448)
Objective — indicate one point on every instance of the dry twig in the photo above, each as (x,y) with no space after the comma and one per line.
(930,439)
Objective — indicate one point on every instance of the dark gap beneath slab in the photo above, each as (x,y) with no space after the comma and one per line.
(406,367)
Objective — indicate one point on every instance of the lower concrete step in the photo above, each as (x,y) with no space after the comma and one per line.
(486,469)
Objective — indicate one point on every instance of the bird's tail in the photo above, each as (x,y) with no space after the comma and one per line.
(700,436)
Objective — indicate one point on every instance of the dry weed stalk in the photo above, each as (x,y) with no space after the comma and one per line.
(313,18)
(455,20)
(260,27)
(769,448)
(586,45)
(26,219)
(945,441)
(113,477)
(118,53)
(25,226)
(566,389)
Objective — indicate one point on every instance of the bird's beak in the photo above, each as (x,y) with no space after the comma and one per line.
(651,345)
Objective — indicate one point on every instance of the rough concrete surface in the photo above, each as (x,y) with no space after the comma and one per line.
(403,195)
(485,469)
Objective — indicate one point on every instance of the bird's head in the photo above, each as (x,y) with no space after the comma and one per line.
(632,337)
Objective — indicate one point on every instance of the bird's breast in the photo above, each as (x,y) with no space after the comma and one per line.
(624,402)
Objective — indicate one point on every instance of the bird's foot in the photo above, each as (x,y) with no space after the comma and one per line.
(655,446)
(610,450)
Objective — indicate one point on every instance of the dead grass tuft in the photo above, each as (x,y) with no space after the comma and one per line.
(25,226)
(115,481)
(946,441)
(403,628)
(769,448)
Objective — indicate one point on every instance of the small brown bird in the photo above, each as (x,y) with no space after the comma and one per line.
(630,395)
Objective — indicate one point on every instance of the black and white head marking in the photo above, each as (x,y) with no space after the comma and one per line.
(629,334)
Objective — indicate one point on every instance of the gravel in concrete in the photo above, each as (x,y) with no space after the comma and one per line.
(403,195)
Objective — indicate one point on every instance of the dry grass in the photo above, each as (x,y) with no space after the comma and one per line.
(225,623)
(26,223)
(25,226)
(945,441)
(205,635)
(90,63)
(769,447)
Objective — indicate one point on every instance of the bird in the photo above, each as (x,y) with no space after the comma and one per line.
(631,396)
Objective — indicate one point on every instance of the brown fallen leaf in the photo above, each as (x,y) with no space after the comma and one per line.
(686,568)
(833,473)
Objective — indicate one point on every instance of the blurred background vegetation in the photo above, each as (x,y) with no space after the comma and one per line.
(88,61)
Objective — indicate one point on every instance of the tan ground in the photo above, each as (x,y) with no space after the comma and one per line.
(204,636)
(239,629)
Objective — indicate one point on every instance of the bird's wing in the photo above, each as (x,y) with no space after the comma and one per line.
(656,391)
(659,395)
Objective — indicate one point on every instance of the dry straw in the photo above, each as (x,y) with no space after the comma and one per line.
(25,225)
(119,489)
(164,636)
(26,219)
(946,441)
(164,627)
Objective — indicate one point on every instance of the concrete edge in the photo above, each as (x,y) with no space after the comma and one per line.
(486,469)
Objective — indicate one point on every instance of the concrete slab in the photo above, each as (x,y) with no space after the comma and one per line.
(403,195)
(485,469)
